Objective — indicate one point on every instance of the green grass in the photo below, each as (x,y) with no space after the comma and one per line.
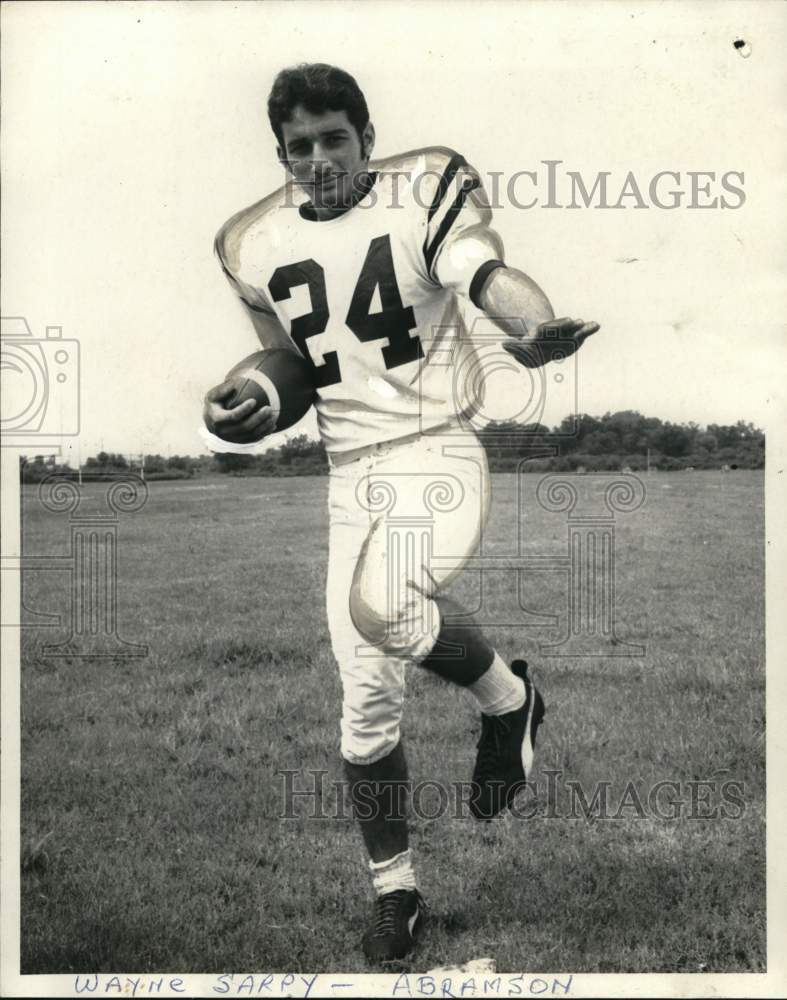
(150,803)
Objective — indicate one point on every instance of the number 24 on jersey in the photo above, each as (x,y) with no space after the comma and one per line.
(393,323)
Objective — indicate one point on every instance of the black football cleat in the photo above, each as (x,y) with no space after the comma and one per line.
(397,921)
(505,751)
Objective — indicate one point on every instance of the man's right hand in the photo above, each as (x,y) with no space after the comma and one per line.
(242,424)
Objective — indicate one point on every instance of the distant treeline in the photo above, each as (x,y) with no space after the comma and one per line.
(624,440)
(108,465)
(615,441)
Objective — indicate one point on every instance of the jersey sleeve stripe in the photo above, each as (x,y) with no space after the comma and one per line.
(430,250)
(456,162)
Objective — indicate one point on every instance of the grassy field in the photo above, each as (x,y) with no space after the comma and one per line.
(151,829)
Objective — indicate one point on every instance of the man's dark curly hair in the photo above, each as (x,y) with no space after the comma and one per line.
(317,87)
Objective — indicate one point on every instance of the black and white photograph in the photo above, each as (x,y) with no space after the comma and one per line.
(393,549)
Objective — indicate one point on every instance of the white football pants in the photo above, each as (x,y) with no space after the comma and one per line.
(404,518)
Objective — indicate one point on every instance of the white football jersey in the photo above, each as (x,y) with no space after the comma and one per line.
(370,297)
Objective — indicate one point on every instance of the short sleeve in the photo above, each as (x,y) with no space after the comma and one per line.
(255,302)
(253,298)
(461,248)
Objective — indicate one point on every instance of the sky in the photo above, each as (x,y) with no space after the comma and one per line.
(133,131)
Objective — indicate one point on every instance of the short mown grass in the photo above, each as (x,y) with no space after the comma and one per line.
(152,836)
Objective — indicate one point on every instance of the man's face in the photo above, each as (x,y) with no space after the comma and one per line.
(325,155)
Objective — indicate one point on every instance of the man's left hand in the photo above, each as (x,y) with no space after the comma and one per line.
(551,341)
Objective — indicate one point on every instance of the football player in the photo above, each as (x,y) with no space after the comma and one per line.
(365,267)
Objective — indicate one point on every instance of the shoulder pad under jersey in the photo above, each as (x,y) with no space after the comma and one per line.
(248,225)
(430,171)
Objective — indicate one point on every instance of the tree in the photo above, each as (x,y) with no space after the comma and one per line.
(629,426)
(232,463)
(600,443)
(708,442)
(155,463)
(673,440)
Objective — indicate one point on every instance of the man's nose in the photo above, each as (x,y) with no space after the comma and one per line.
(320,162)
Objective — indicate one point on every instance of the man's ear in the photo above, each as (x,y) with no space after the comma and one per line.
(367,141)
(283,159)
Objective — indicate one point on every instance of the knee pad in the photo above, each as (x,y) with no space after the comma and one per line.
(388,607)
(408,630)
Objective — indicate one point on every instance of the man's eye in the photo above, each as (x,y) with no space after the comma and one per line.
(334,141)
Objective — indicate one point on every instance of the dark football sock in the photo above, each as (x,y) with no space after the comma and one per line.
(461,654)
(380,797)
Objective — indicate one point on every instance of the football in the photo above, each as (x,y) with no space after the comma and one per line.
(279,378)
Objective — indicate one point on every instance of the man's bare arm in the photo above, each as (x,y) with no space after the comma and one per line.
(515,303)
